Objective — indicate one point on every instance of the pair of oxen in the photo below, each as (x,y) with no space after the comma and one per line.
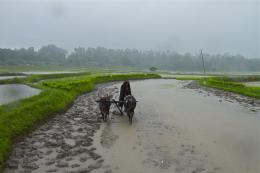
(126,100)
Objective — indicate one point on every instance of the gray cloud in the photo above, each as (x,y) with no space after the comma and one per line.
(217,26)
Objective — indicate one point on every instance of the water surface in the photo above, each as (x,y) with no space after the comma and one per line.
(253,83)
(178,130)
(12,92)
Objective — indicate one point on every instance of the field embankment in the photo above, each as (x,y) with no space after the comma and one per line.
(39,77)
(235,85)
(20,117)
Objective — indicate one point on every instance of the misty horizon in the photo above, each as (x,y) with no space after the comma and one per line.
(216,26)
(102,57)
(70,51)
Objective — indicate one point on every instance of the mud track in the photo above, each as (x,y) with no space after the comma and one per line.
(178,127)
(64,143)
(253,104)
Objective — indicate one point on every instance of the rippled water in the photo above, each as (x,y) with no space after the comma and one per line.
(12,92)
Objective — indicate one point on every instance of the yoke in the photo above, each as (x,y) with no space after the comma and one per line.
(117,103)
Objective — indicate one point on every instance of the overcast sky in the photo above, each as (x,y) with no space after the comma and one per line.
(217,26)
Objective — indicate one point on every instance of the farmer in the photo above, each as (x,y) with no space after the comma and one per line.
(124,91)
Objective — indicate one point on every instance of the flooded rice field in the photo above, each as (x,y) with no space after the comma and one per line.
(253,83)
(174,130)
(13,92)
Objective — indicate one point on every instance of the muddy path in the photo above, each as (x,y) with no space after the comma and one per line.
(175,130)
(64,143)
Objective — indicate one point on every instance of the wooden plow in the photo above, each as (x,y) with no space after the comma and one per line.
(128,110)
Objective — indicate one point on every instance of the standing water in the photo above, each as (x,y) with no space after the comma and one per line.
(178,130)
(174,130)
(253,83)
(12,92)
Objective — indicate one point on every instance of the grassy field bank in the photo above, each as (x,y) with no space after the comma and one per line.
(61,69)
(38,77)
(233,85)
(186,77)
(20,117)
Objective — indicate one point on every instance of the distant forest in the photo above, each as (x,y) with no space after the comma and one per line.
(103,57)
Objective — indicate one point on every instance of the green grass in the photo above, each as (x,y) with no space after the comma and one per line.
(11,74)
(189,77)
(245,78)
(75,83)
(20,117)
(23,68)
(55,68)
(39,77)
(228,84)
(232,83)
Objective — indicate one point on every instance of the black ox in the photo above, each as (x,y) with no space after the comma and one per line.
(104,106)
(129,105)
(126,100)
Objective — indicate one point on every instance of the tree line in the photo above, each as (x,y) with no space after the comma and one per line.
(103,57)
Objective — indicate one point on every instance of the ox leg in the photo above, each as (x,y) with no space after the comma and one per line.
(103,116)
(130,117)
(107,116)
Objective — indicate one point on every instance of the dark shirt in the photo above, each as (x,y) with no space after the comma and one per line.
(124,91)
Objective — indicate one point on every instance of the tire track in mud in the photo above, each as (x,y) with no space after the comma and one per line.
(64,143)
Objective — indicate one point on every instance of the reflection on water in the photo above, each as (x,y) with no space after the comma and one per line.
(12,92)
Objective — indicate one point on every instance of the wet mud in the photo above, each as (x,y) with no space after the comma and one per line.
(252,104)
(175,129)
(64,143)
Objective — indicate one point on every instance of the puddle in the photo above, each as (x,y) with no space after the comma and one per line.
(13,92)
